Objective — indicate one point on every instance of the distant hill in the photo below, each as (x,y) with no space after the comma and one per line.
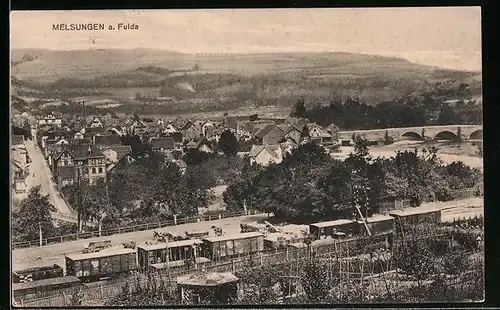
(232,79)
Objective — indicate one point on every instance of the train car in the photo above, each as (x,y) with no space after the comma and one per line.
(330,228)
(103,264)
(416,216)
(149,254)
(45,287)
(221,247)
(274,241)
(173,265)
(378,224)
(37,273)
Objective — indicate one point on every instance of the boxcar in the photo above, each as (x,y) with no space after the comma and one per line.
(149,254)
(200,261)
(416,216)
(220,247)
(102,264)
(377,224)
(45,287)
(348,227)
(37,273)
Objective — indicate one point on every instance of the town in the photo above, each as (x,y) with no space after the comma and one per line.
(146,176)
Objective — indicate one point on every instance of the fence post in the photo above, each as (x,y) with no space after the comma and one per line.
(175,219)
(147,226)
(102,292)
(261,259)
(64,299)
(220,216)
(209,218)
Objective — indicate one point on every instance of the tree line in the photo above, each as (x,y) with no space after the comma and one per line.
(408,112)
(309,185)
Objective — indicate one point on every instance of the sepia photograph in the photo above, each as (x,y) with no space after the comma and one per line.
(246,157)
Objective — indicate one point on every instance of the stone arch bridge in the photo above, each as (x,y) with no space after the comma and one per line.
(422,133)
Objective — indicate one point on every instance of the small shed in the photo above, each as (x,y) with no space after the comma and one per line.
(208,288)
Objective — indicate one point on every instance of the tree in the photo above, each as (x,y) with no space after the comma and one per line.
(195,157)
(228,143)
(34,216)
(304,134)
(300,109)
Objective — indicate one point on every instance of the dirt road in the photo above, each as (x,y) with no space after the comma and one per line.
(40,174)
(54,254)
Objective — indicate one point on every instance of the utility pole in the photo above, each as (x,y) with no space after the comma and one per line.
(40,232)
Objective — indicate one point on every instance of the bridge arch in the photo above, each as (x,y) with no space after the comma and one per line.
(412,136)
(446,135)
(477,135)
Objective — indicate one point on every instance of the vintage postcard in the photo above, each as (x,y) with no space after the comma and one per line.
(246,157)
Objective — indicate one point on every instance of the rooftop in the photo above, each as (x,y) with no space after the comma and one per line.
(107,140)
(114,251)
(162,142)
(333,223)
(207,279)
(414,211)
(45,282)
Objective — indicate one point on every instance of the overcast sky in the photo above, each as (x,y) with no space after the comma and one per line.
(447,37)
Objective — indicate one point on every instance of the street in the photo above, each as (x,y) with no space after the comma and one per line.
(40,174)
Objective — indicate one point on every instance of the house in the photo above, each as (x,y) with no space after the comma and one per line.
(248,131)
(170,129)
(84,162)
(138,127)
(201,145)
(18,177)
(49,120)
(163,144)
(291,132)
(265,154)
(17,140)
(333,131)
(113,130)
(103,141)
(190,131)
(115,153)
(269,135)
(96,122)
(207,129)
(117,156)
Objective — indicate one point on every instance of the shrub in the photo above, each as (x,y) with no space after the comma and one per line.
(444,194)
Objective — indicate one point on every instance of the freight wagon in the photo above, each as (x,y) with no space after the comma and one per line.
(198,263)
(221,247)
(330,228)
(377,224)
(102,264)
(37,273)
(45,287)
(415,217)
(149,254)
